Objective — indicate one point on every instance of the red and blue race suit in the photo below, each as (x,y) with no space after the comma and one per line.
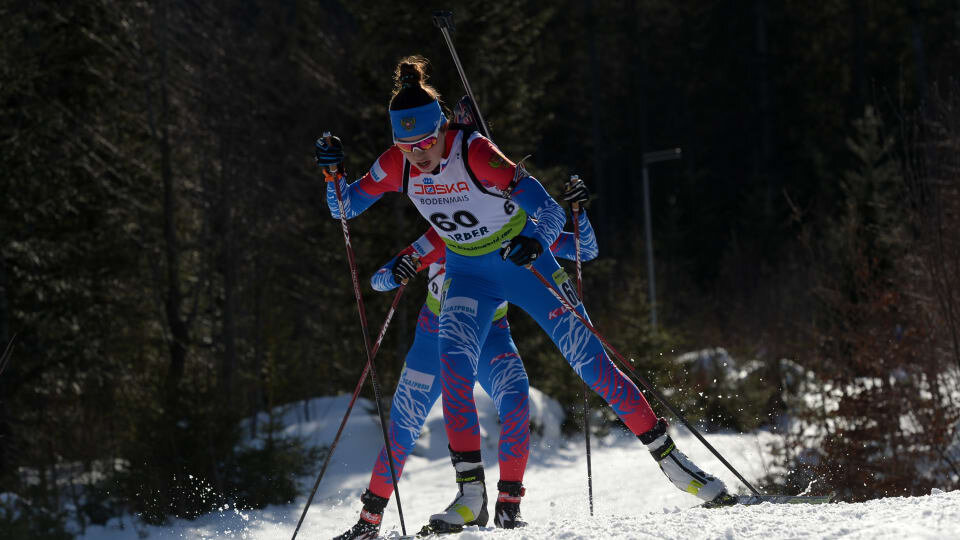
(474,215)
(500,370)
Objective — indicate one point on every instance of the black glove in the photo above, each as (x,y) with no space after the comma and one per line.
(405,267)
(329,154)
(521,250)
(575,191)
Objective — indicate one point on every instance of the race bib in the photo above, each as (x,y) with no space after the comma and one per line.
(566,287)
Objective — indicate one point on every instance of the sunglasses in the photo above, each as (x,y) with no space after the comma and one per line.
(423,144)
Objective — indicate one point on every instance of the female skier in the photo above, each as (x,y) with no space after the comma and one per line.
(500,372)
(495,220)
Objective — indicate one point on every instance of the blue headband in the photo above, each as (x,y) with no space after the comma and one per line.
(420,120)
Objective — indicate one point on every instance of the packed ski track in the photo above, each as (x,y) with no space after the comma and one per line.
(632,499)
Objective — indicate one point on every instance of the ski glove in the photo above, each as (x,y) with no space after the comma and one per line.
(521,250)
(329,154)
(405,267)
(575,192)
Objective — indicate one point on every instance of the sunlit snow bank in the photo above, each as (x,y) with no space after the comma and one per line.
(631,497)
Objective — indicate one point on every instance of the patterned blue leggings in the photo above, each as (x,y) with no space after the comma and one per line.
(500,372)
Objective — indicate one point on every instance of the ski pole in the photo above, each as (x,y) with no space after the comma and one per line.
(346,415)
(443,19)
(575,208)
(351,261)
(643,381)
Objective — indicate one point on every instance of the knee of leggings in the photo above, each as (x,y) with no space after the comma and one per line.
(405,439)
(513,405)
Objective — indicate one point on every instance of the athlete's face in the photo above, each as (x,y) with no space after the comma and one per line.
(425,160)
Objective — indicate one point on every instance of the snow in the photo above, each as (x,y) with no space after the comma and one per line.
(632,499)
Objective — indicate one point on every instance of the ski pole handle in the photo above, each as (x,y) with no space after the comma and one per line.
(443,19)
(329,156)
(328,138)
(416,263)
(575,206)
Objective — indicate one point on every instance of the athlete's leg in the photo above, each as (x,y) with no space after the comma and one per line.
(586,355)
(582,350)
(465,305)
(468,305)
(500,372)
(417,390)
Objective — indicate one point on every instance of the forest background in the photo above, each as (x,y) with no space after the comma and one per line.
(169,266)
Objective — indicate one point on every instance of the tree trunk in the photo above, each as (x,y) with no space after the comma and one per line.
(640,112)
(4,305)
(5,431)
(919,55)
(596,110)
(179,333)
(228,363)
(259,389)
(764,142)
(859,59)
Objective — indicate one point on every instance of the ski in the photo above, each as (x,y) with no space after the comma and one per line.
(746,500)
(422,534)
(428,532)
(783,499)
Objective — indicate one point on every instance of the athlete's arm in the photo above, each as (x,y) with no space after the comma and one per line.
(539,205)
(429,248)
(492,168)
(565,246)
(385,175)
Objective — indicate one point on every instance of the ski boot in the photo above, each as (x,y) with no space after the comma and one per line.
(506,513)
(679,469)
(368,527)
(469,507)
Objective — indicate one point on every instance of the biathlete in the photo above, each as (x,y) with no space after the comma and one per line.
(495,219)
(500,372)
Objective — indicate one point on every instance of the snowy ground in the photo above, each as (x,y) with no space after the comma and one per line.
(631,497)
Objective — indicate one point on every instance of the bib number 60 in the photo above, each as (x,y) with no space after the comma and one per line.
(460,218)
